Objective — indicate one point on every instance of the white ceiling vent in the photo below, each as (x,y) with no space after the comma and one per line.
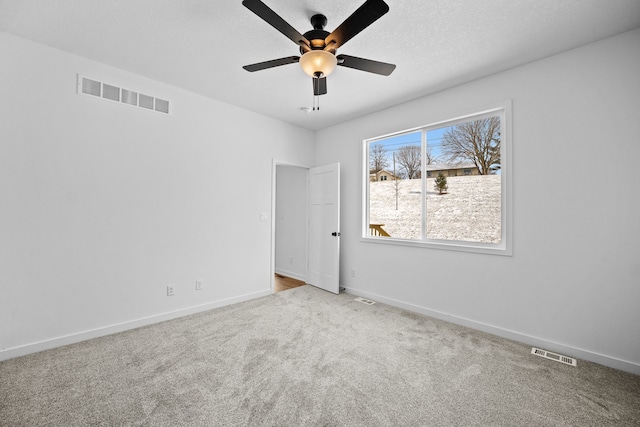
(87,86)
(554,356)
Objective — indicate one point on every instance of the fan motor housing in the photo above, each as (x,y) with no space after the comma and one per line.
(317,36)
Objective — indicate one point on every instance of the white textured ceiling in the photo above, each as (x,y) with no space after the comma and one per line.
(201,45)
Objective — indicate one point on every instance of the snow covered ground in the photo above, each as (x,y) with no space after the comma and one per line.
(470,211)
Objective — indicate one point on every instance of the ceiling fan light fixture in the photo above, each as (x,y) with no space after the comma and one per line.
(318,62)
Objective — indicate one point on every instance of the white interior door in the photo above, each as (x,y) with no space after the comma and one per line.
(324,227)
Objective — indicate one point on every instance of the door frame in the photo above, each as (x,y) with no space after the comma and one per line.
(274,167)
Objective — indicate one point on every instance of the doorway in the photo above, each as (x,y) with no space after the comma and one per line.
(290,226)
(306,224)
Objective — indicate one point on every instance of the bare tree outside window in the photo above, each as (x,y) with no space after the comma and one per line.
(378,159)
(430,157)
(477,141)
(410,160)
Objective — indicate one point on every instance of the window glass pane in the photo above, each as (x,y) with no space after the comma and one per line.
(442,185)
(395,188)
(464,182)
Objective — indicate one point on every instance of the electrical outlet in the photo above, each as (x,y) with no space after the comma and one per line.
(198,284)
(290,260)
(353,272)
(171,290)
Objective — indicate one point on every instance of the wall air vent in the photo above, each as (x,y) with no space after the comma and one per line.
(111,92)
(554,356)
(91,87)
(129,97)
(145,101)
(162,105)
(87,86)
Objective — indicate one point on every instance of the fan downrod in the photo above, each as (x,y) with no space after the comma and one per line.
(318,21)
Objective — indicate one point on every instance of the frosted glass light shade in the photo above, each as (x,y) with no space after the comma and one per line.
(318,61)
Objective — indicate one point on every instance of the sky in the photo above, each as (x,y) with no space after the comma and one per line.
(434,141)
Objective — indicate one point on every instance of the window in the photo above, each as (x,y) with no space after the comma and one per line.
(447,185)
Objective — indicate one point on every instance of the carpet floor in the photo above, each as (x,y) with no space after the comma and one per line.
(305,357)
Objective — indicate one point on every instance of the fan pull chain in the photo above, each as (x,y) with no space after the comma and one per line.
(316,98)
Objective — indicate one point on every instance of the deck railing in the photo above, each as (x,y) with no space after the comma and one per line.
(377,230)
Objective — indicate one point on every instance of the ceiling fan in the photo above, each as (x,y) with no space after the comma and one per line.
(318,47)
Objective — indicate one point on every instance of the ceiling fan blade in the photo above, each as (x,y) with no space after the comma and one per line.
(364,16)
(273,63)
(368,65)
(319,86)
(273,19)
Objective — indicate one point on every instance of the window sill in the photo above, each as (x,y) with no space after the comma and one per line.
(480,248)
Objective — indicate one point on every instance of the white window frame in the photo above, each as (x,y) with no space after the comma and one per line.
(505,246)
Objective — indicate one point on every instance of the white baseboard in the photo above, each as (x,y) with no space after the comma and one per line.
(23,350)
(291,274)
(578,353)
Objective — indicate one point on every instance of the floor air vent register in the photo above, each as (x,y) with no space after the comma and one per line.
(365,301)
(554,356)
(92,87)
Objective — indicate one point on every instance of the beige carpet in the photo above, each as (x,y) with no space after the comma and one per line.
(305,357)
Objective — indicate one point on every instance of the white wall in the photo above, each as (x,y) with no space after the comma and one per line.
(291,222)
(573,283)
(102,205)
